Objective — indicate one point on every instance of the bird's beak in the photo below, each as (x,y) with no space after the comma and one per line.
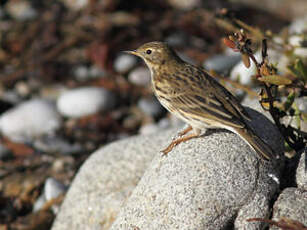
(132,52)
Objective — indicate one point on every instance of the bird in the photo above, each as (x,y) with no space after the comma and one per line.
(194,96)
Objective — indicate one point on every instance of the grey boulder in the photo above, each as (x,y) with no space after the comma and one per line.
(206,183)
(291,204)
(105,181)
(209,182)
(301,172)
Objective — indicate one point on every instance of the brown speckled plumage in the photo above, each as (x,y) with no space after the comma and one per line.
(191,94)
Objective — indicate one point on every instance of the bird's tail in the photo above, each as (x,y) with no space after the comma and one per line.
(263,149)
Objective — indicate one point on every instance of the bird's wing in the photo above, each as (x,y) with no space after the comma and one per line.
(204,98)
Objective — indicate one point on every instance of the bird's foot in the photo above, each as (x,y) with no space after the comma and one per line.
(185,131)
(177,142)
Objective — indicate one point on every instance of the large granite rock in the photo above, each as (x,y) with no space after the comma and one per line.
(291,204)
(210,182)
(301,172)
(105,181)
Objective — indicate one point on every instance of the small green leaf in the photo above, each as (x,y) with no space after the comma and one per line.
(301,69)
(290,99)
(275,80)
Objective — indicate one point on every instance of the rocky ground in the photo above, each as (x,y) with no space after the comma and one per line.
(68,91)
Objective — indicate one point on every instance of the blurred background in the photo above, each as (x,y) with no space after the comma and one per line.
(66,88)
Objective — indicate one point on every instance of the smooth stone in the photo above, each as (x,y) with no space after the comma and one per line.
(218,169)
(291,204)
(221,63)
(151,106)
(53,189)
(149,129)
(140,76)
(164,123)
(301,171)
(21,10)
(105,181)
(29,120)
(84,101)
(81,73)
(124,62)
(54,144)
(185,5)
(299,25)
(301,52)
(96,72)
(76,4)
(204,183)
(296,40)
(84,73)
(245,75)
(39,203)
(242,74)
(11,96)
(176,39)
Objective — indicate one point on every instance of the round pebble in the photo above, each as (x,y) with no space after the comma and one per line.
(185,5)
(176,39)
(221,63)
(124,62)
(85,101)
(149,129)
(81,73)
(151,107)
(299,25)
(53,144)
(29,120)
(139,76)
(242,74)
(39,203)
(53,188)
(95,72)
(76,4)
(301,52)
(21,10)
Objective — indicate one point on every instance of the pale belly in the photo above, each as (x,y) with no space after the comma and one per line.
(201,123)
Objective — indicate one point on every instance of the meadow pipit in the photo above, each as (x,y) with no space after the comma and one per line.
(192,95)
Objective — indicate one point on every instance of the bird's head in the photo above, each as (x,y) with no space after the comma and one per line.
(155,53)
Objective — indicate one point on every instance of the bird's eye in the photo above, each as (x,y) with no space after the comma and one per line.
(148,51)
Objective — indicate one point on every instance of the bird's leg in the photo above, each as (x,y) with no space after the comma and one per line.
(185,131)
(178,141)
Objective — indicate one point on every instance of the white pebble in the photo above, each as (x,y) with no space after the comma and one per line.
(29,120)
(301,52)
(140,76)
(221,63)
(81,72)
(298,26)
(76,4)
(149,129)
(85,101)
(21,10)
(151,106)
(243,74)
(296,40)
(95,72)
(124,62)
(53,188)
(39,203)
